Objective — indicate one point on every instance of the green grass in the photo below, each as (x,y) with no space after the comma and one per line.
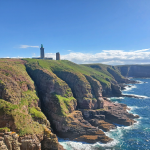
(65,104)
(22,120)
(35,113)
(28,97)
(66,66)
(15,69)
(5,129)
(104,69)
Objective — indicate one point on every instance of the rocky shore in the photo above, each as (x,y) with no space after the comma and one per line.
(40,100)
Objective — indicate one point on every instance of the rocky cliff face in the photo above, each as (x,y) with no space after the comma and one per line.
(87,97)
(80,87)
(137,71)
(115,77)
(12,141)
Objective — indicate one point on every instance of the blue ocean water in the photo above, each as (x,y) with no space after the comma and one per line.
(135,137)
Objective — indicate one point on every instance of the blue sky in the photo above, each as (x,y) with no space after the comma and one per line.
(83,31)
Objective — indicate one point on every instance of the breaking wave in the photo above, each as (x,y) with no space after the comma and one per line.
(129,87)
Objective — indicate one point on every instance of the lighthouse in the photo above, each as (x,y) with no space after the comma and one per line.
(42,51)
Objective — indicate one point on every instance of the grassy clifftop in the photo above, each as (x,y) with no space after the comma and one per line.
(65,65)
(18,99)
(111,71)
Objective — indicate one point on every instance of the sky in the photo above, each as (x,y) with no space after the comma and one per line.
(112,32)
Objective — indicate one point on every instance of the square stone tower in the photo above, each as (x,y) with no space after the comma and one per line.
(42,51)
(58,56)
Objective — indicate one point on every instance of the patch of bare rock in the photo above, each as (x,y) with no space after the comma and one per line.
(12,141)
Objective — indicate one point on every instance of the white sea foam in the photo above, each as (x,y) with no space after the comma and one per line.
(118,133)
(142,96)
(139,82)
(129,87)
(110,144)
(138,96)
(72,145)
(132,108)
(112,98)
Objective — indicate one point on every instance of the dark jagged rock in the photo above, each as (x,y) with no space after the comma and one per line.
(110,114)
(101,124)
(99,136)
(97,91)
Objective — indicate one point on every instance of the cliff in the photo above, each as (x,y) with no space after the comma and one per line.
(40,99)
(136,71)
(20,112)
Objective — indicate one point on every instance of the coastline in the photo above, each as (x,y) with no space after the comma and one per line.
(69,103)
(83,145)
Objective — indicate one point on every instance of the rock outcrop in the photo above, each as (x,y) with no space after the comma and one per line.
(12,141)
(108,116)
(9,141)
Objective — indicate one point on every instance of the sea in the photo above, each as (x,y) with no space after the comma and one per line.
(135,137)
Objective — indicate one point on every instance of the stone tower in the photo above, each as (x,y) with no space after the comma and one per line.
(42,51)
(58,56)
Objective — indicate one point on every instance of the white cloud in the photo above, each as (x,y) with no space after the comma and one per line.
(143,50)
(27,46)
(112,57)
(69,50)
(51,55)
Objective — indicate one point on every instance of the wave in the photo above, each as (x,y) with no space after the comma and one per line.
(135,107)
(139,96)
(140,82)
(115,98)
(108,145)
(118,132)
(129,87)
(73,145)
(135,96)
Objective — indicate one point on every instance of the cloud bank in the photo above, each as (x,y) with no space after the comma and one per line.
(27,46)
(111,57)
